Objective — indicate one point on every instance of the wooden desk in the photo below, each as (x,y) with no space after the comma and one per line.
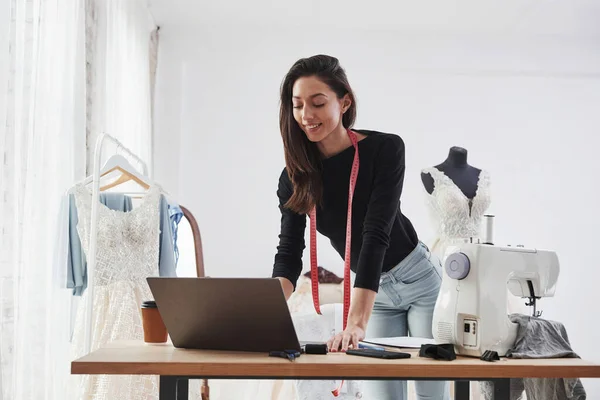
(177,366)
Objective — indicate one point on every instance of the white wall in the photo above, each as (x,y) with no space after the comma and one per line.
(4,64)
(526,108)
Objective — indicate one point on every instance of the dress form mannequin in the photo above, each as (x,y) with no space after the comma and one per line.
(456,168)
(459,195)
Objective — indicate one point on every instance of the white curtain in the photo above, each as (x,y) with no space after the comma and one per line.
(120,88)
(41,143)
(73,66)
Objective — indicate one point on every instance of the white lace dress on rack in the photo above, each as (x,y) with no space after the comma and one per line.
(457,217)
(127,253)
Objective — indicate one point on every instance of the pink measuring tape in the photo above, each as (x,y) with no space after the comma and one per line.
(314,273)
(313,240)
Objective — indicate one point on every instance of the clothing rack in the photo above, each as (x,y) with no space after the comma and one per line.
(91,263)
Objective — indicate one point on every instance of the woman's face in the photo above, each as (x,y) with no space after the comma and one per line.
(317,108)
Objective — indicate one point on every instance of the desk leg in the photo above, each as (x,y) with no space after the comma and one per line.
(183,388)
(501,389)
(462,390)
(173,388)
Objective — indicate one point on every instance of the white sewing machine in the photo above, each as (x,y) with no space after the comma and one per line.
(471,309)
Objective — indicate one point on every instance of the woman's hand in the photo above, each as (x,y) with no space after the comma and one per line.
(360,311)
(346,339)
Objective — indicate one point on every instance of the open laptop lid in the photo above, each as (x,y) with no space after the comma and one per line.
(237,314)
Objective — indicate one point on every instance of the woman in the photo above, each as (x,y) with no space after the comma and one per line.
(396,278)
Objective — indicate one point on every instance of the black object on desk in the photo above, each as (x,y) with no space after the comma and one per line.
(490,355)
(438,351)
(289,354)
(389,355)
(315,348)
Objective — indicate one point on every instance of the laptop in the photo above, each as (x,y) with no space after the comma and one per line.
(237,314)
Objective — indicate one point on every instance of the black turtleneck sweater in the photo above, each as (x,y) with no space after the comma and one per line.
(381,235)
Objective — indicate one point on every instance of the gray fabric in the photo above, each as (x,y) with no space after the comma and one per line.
(540,338)
(76,261)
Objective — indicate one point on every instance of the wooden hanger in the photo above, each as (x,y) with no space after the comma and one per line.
(125,177)
(128,173)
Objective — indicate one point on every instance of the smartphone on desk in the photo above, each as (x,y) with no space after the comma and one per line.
(388,355)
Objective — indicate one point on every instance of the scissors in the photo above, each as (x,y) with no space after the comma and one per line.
(289,354)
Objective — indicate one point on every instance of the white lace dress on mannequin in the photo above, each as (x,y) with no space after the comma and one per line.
(127,253)
(457,217)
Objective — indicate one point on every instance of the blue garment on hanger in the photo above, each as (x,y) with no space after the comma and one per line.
(76,259)
(175,214)
(167,264)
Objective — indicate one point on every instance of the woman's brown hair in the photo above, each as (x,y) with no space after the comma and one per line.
(302,158)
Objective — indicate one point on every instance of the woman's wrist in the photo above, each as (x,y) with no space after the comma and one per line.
(361,307)
(358,322)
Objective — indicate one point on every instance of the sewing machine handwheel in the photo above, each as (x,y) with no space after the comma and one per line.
(457,266)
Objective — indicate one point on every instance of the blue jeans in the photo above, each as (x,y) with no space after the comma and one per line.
(404,307)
